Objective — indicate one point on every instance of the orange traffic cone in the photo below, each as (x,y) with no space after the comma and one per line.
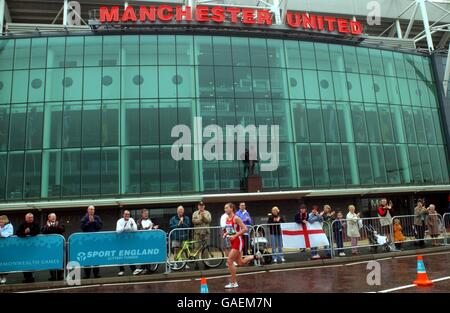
(203,286)
(422,277)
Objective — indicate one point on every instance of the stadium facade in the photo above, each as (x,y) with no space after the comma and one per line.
(87,112)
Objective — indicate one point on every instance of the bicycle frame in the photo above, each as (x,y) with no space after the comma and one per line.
(185,247)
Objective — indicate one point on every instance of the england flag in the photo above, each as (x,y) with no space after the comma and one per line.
(307,235)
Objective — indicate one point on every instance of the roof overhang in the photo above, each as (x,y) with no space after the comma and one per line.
(222,197)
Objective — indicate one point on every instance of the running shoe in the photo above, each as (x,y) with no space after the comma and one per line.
(231,285)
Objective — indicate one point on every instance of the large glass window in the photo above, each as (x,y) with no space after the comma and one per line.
(92,116)
(32,175)
(22,54)
(38,58)
(14,183)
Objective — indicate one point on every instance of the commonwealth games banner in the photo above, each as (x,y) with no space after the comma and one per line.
(38,253)
(112,248)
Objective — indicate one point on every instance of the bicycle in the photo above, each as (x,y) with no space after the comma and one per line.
(212,257)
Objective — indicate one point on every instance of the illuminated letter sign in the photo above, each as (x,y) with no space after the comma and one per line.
(229,15)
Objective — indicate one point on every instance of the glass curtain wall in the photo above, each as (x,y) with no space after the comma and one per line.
(92,116)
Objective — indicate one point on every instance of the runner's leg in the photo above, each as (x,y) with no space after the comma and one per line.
(234,255)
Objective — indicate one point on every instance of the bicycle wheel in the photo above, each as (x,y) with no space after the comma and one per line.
(180,263)
(212,256)
(152,267)
(266,257)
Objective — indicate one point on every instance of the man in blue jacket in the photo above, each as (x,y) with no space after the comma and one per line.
(247,220)
(91,223)
(178,236)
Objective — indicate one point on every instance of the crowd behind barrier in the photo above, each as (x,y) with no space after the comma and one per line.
(185,246)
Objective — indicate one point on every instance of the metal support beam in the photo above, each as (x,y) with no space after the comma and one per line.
(447,74)
(2,14)
(398,28)
(284,10)
(426,24)
(392,31)
(445,37)
(411,22)
(65,12)
(7,14)
(193,5)
(276,11)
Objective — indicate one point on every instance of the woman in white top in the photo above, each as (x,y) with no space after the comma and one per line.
(353,227)
(6,230)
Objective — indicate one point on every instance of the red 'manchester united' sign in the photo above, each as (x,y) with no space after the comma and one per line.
(231,15)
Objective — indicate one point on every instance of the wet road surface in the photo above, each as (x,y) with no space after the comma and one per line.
(397,275)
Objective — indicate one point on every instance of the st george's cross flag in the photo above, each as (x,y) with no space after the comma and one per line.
(307,235)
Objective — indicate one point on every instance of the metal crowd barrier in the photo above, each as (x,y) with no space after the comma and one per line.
(189,246)
(374,233)
(271,246)
(33,253)
(446,220)
(432,229)
(110,248)
(185,246)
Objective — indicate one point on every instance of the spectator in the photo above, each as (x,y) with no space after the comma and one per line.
(201,219)
(179,221)
(274,221)
(338,229)
(353,228)
(433,224)
(328,218)
(247,220)
(398,234)
(127,224)
(315,217)
(384,213)
(91,223)
(301,217)
(145,223)
(6,230)
(28,228)
(420,214)
(226,242)
(53,226)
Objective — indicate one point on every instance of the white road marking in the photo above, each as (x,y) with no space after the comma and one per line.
(103,285)
(148,282)
(367,261)
(215,277)
(224,276)
(61,288)
(405,256)
(436,253)
(252,273)
(415,255)
(412,285)
(397,288)
(305,268)
(440,279)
